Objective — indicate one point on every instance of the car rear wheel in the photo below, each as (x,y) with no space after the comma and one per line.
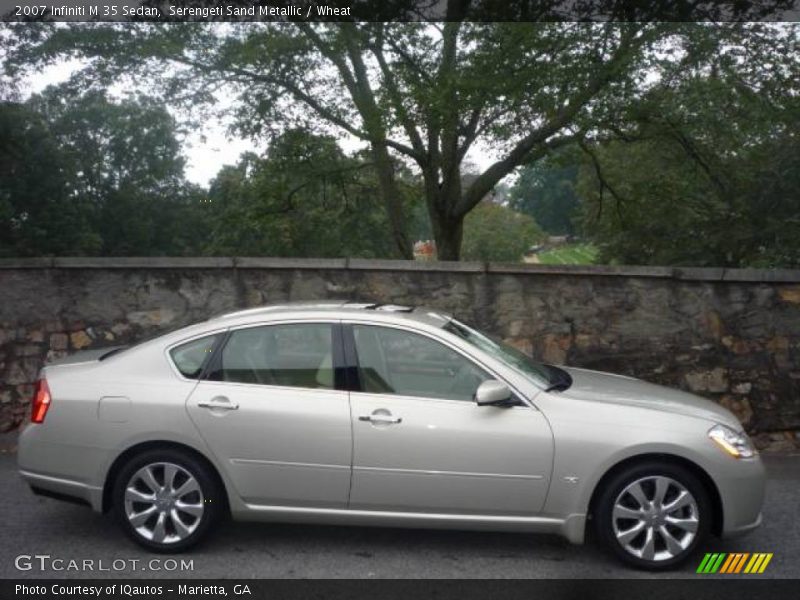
(654,516)
(166,500)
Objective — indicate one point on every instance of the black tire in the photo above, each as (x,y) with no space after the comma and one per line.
(209,496)
(604,521)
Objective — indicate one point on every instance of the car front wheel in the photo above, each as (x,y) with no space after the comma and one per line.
(166,500)
(653,516)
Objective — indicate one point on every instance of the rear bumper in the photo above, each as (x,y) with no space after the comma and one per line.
(57,469)
(64,489)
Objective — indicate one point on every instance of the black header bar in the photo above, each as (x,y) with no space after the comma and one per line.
(402,10)
(699,588)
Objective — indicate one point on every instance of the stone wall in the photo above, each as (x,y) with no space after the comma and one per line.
(730,335)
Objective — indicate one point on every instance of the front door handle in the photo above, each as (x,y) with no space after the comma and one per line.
(219,402)
(381,418)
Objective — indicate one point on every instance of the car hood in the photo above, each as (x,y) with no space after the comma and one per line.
(619,389)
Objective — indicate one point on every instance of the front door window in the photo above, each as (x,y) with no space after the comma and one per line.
(393,361)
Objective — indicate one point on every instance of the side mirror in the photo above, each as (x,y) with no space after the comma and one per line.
(493,393)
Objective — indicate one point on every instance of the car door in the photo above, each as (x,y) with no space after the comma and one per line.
(421,443)
(270,413)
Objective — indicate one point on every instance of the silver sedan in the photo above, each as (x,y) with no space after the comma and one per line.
(368,414)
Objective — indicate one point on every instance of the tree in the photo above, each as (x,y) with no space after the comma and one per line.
(126,169)
(709,175)
(82,174)
(425,93)
(304,198)
(497,233)
(545,190)
(39,213)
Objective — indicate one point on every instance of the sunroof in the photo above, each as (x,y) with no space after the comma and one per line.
(362,305)
(394,308)
(377,306)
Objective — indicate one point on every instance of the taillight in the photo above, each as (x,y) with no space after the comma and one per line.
(41,401)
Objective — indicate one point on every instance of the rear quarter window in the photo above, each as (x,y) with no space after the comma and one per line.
(191,357)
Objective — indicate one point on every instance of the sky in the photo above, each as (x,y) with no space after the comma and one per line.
(208,150)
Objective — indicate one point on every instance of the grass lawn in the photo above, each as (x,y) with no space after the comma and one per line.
(573,254)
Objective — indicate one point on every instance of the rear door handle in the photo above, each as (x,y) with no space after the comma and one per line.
(221,402)
(381,418)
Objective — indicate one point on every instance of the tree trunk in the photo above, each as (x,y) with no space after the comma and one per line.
(440,198)
(392,200)
(448,232)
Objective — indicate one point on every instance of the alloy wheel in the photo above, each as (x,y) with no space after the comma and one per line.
(164,502)
(655,518)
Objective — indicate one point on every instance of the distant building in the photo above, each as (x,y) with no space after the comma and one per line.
(557,240)
(425,250)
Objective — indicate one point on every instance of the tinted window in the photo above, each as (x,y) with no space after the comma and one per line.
(296,355)
(190,357)
(392,361)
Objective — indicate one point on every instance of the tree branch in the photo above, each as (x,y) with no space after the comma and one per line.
(604,183)
(395,97)
(538,137)
(323,111)
(409,62)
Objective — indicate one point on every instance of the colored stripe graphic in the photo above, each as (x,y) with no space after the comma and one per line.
(718,563)
(711,563)
(740,564)
(765,563)
(734,562)
(704,563)
(726,566)
(721,562)
(758,563)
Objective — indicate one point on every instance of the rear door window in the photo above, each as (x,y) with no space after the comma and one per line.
(291,355)
(191,357)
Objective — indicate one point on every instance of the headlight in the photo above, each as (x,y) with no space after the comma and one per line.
(734,443)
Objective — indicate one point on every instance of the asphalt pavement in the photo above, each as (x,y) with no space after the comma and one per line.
(32,526)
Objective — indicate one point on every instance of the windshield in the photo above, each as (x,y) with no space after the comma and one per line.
(541,374)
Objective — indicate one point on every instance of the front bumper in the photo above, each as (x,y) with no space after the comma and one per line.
(741,487)
(742,529)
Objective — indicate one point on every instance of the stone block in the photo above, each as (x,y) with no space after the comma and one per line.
(714,380)
(555,348)
(27,350)
(22,371)
(790,294)
(742,388)
(151,318)
(36,336)
(79,340)
(59,341)
(739,407)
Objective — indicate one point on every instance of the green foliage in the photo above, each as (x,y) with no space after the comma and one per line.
(305,198)
(570,254)
(497,233)
(545,190)
(81,174)
(39,214)
(708,178)
(690,130)
(84,175)
(426,94)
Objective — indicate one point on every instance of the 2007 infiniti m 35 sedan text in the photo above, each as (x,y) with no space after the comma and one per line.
(369,414)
